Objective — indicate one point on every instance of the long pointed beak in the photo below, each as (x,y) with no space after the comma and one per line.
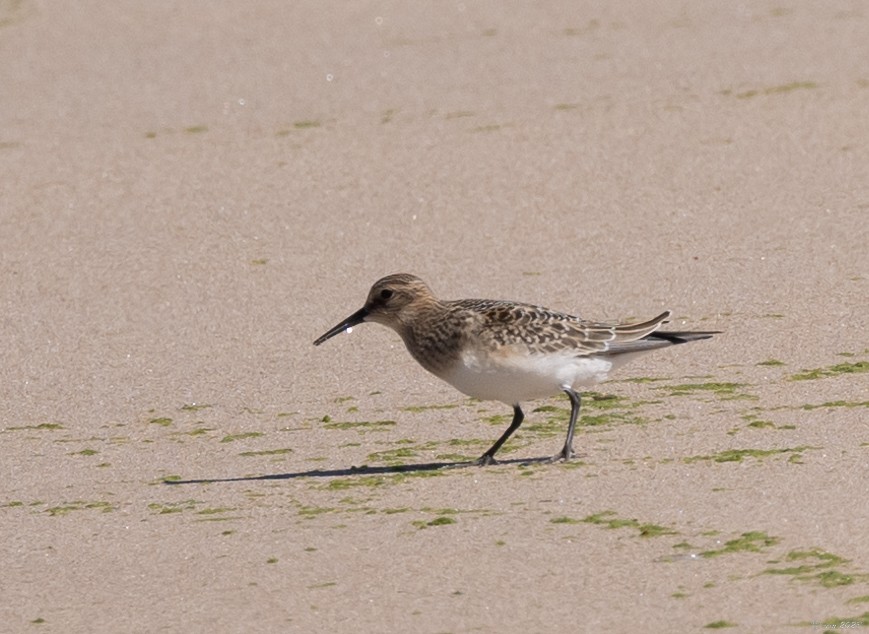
(353,320)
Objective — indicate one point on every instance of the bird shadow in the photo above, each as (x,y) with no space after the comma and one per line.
(358,471)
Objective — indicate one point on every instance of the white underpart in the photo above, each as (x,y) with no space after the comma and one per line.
(513,378)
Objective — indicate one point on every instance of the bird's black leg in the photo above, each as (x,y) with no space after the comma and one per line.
(567,451)
(489,456)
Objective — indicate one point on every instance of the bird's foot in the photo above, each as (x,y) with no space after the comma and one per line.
(564,455)
(486,460)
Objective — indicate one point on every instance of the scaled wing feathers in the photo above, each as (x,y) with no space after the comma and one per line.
(507,324)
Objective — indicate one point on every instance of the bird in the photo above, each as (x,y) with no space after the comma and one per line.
(508,351)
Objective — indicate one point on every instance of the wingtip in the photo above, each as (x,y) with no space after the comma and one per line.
(685,336)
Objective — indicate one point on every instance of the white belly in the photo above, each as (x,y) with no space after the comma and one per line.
(514,378)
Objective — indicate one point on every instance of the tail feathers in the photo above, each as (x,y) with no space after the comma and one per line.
(657,340)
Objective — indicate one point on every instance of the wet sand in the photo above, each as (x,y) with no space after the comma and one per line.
(194,192)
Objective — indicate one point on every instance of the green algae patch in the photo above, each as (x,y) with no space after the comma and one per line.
(85,452)
(310,512)
(80,505)
(611,409)
(813,565)
(817,566)
(761,424)
(833,370)
(198,431)
(552,409)
(645,379)
(325,584)
(241,436)
(215,511)
(723,389)
(752,542)
(442,520)
(416,409)
(340,484)
(834,579)
(393,456)
(781,89)
(737,455)
(497,420)
(565,520)
(611,418)
(831,404)
(39,427)
(194,407)
(608,519)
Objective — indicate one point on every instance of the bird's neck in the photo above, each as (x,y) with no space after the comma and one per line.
(432,338)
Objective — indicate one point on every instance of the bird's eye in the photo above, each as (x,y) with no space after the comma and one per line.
(385,293)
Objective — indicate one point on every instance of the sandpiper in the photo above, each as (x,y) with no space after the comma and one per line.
(507,351)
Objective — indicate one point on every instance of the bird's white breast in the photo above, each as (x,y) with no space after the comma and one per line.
(511,377)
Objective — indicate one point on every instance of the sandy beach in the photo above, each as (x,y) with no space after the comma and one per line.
(193,192)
